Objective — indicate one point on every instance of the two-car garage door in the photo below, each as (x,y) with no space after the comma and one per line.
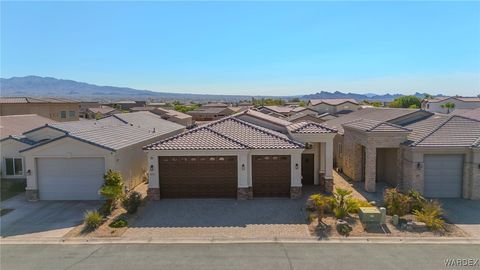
(443,176)
(217,176)
(70,178)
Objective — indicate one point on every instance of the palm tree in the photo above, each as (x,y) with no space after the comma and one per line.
(448,106)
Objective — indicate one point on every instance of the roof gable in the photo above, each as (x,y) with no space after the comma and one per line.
(369,125)
(310,127)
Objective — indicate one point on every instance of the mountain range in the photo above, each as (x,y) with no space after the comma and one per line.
(48,86)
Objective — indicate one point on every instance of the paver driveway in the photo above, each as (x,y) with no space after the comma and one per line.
(42,218)
(222,218)
(465,214)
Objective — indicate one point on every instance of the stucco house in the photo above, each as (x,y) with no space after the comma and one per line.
(67,161)
(437,105)
(58,109)
(247,155)
(11,140)
(435,154)
(333,106)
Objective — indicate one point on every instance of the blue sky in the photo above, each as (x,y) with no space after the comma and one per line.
(268,48)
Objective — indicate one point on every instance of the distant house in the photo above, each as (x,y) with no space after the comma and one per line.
(11,140)
(175,116)
(333,106)
(84,105)
(302,117)
(100,112)
(278,110)
(67,161)
(142,109)
(438,104)
(58,109)
(127,104)
(209,113)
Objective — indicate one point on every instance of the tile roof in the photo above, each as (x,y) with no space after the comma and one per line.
(332,101)
(265,117)
(116,132)
(369,125)
(101,109)
(25,100)
(18,124)
(208,110)
(464,99)
(226,133)
(424,126)
(148,121)
(379,114)
(469,113)
(278,109)
(309,127)
(454,131)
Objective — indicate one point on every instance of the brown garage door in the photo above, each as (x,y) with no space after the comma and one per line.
(198,177)
(271,176)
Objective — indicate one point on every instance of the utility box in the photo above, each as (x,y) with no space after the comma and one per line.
(370,216)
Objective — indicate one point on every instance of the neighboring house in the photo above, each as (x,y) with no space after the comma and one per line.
(215,105)
(304,110)
(84,105)
(175,116)
(67,161)
(11,140)
(99,112)
(127,104)
(240,157)
(333,106)
(470,113)
(283,111)
(209,113)
(435,154)
(58,109)
(142,109)
(438,104)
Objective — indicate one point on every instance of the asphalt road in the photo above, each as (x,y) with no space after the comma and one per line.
(235,256)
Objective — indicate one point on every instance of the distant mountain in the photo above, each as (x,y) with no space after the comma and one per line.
(47,86)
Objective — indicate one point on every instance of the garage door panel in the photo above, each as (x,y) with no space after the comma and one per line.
(271,176)
(198,177)
(443,176)
(70,178)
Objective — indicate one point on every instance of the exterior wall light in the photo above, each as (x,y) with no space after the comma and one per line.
(419,165)
(29,172)
(243,167)
(296,166)
(151,168)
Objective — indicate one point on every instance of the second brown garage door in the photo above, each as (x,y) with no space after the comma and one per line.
(198,177)
(271,176)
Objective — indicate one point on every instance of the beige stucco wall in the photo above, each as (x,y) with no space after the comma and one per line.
(49,110)
(10,148)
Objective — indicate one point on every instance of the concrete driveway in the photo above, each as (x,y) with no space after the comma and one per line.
(42,218)
(465,214)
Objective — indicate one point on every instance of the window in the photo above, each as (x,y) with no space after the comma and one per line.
(63,114)
(13,166)
(71,114)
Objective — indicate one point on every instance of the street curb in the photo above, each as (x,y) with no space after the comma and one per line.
(359,240)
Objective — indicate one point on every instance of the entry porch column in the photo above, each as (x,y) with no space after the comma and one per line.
(370,168)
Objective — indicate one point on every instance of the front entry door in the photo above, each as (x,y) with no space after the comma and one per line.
(307,169)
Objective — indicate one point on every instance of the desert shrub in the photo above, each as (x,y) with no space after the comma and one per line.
(132,202)
(93,219)
(112,189)
(343,228)
(396,202)
(430,214)
(354,204)
(416,200)
(320,203)
(118,223)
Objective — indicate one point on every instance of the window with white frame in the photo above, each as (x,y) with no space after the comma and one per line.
(63,114)
(13,166)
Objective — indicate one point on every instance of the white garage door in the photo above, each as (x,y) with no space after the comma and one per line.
(70,178)
(443,176)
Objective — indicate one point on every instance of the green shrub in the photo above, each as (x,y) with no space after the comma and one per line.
(92,219)
(416,200)
(320,203)
(340,205)
(430,214)
(340,212)
(119,223)
(354,204)
(112,189)
(344,228)
(132,202)
(396,202)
